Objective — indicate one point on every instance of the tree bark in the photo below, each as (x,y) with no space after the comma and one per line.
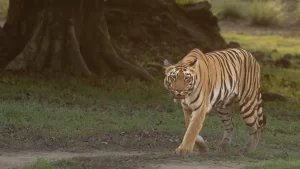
(63,35)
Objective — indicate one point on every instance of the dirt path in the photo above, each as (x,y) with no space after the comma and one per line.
(20,159)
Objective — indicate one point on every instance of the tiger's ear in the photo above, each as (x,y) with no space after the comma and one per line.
(166,63)
(193,62)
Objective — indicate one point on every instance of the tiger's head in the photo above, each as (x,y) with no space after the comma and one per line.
(180,79)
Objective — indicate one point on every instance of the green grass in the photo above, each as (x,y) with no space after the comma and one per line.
(278,164)
(41,164)
(265,43)
(57,107)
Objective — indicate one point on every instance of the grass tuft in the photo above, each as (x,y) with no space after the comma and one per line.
(41,164)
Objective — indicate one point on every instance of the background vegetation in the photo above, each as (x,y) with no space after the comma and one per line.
(64,106)
(3,7)
(257,12)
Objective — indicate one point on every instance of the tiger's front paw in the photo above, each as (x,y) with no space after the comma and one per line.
(181,150)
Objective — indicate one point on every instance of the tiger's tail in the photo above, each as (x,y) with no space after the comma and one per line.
(262,119)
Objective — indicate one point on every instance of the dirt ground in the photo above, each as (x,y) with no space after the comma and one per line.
(106,159)
(132,150)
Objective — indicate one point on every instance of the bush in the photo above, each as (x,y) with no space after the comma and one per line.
(266,13)
(231,9)
(296,13)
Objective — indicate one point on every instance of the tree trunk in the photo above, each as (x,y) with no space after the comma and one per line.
(60,35)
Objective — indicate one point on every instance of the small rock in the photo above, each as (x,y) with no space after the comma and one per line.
(233,45)
(258,55)
(288,56)
(269,96)
(263,58)
(297,56)
(177,140)
(146,133)
(106,143)
(283,63)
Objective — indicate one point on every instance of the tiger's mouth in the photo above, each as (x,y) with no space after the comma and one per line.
(179,97)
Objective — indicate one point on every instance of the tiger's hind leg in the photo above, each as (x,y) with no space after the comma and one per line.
(224,110)
(251,112)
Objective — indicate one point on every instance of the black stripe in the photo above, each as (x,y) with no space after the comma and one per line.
(251,73)
(237,56)
(223,77)
(229,71)
(197,97)
(249,115)
(253,133)
(230,129)
(250,98)
(198,107)
(244,81)
(244,102)
(225,120)
(221,113)
(226,125)
(235,71)
(246,109)
(219,95)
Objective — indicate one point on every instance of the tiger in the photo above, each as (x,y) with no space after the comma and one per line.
(216,80)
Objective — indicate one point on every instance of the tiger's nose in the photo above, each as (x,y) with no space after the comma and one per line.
(178,92)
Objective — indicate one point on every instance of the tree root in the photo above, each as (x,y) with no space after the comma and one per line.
(40,59)
(79,63)
(112,57)
(28,54)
